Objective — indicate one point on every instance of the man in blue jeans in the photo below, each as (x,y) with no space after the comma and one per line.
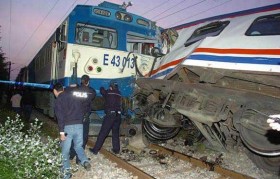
(87,106)
(69,113)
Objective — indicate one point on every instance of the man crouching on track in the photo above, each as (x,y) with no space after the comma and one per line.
(112,119)
(69,112)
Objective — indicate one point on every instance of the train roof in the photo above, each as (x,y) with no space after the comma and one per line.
(230,15)
(110,10)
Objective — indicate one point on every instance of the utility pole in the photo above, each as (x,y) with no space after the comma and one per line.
(10,64)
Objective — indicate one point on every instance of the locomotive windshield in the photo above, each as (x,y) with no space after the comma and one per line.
(96,36)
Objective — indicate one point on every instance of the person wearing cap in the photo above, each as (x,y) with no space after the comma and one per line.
(87,106)
(112,118)
(70,113)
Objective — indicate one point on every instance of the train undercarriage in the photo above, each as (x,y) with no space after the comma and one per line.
(229,110)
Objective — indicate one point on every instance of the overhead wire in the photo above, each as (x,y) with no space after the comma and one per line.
(168,9)
(200,12)
(61,19)
(180,10)
(25,44)
(150,10)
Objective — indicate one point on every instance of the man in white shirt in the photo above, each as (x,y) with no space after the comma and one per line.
(15,100)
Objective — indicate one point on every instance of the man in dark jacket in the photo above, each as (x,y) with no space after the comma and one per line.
(87,106)
(69,112)
(27,102)
(112,119)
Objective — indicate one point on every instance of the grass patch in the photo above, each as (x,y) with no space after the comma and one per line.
(6,171)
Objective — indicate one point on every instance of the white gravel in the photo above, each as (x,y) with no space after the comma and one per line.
(165,167)
(100,168)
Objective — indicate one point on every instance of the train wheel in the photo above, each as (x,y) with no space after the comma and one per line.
(264,148)
(269,164)
(264,143)
(156,133)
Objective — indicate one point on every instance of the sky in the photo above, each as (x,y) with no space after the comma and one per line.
(25,25)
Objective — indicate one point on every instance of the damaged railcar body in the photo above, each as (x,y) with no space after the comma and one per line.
(222,75)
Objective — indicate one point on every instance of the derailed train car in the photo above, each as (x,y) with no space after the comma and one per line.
(221,77)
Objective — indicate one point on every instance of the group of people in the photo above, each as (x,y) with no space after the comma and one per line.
(72,109)
(22,103)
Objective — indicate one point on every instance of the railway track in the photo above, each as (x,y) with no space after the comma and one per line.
(167,162)
(122,163)
(156,151)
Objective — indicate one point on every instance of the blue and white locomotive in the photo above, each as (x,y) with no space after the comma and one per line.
(105,42)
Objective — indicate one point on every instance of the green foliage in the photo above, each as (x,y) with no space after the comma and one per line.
(50,129)
(26,153)
(4,112)
(4,71)
(6,171)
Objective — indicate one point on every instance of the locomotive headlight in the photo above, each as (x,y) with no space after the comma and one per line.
(76,55)
(94,61)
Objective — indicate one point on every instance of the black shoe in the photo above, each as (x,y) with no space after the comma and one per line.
(71,158)
(115,152)
(87,165)
(78,162)
(92,151)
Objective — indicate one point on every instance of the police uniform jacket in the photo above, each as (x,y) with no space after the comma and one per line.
(91,93)
(112,99)
(69,107)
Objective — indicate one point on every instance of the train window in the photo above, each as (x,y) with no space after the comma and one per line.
(209,30)
(96,36)
(139,44)
(85,36)
(63,32)
(102,12)
(142,22)
(265,25)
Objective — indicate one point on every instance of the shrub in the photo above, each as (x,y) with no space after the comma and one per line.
(26,153)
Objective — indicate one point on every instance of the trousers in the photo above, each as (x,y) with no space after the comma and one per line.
(112,122)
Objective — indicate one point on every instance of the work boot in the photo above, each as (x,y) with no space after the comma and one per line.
(115,151)
(92,151)
(87,165)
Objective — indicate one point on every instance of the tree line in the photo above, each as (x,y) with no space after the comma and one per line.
(4,66)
